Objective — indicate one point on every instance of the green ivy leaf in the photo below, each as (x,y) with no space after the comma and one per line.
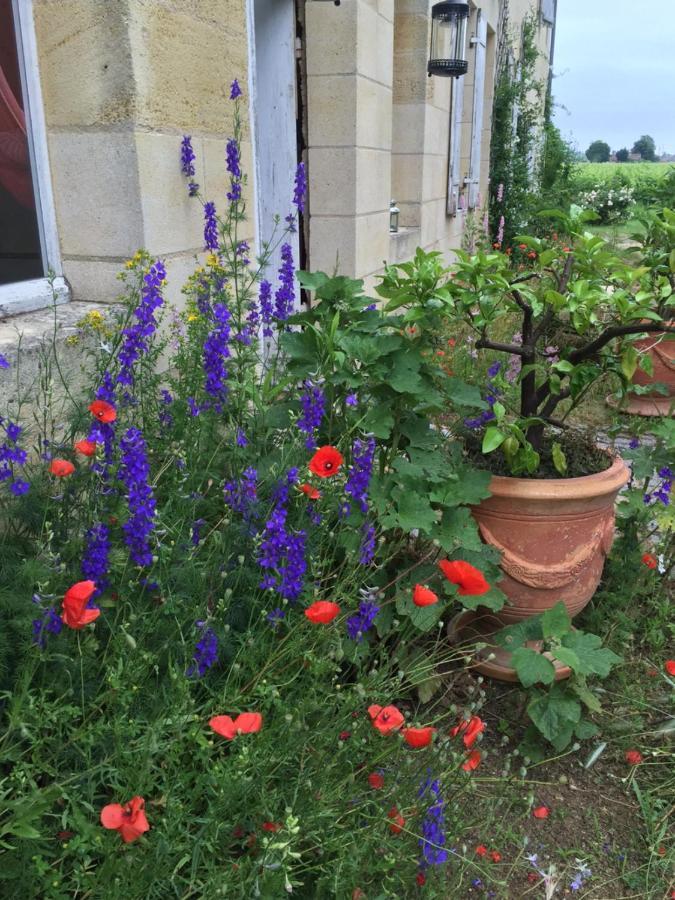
(532,667)
(553,713)
(555,622)
(594,659)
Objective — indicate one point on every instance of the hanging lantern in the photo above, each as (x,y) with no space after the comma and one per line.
(393,217)
(448,39)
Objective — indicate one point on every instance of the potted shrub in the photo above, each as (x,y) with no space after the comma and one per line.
(574,315)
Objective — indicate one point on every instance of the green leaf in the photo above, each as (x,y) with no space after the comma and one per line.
(629,361)
(23,830)
(559,458)
(427,689)
(553,713)
(532,667)
(584,693)
(379,421)
(492,439)
(424,618)
(463,394)
(494,599)
(465,485)
(586,729)
(404,376)
(555,622)
(516,635)
(593,658)
(671,261)
(414,511)
(567,657)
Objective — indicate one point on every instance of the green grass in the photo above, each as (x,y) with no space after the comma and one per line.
(632,171)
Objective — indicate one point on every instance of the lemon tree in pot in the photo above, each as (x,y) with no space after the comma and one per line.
(570,316)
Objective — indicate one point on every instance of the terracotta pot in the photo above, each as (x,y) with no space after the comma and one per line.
(554,536)
(662,353)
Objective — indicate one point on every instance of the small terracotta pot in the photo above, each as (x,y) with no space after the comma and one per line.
(554,536)
(662,353)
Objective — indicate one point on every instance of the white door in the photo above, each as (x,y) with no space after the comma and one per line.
(480,43)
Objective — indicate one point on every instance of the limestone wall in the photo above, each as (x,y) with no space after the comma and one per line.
(122,81)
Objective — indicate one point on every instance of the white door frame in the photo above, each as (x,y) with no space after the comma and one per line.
(24,296)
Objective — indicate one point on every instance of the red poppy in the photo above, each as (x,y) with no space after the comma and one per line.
(62,468)
(452,342)
(376,781)
(421,879)
(532,254)
(129,819)
(75,613)
(495,856)
(472,761)
(418,737)
(322,612)
(541,812)
(440,353)
(326,462)
(649,560)
(469,729)
(422,596)
(481,850)
(522,246)
(633,757)
(85,447)
(670,667)
(533,876)
(245,723)
(397,821)
(345,735)
(385,718)
(312,492)
(271,826)
(104,412)
(496,245)
(470,580)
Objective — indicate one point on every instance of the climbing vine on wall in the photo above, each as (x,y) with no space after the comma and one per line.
(516,116)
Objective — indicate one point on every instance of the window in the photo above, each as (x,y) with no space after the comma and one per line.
(28,245)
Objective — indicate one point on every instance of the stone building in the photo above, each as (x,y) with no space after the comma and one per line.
(96,94)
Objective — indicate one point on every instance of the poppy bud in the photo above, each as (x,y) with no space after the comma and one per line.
(130,641)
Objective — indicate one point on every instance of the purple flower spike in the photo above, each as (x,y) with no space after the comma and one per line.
(235,90)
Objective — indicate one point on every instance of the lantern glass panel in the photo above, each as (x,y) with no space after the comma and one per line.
(449,21)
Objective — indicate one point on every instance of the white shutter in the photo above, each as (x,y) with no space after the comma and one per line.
(479,41)
(548,11)
(455,144)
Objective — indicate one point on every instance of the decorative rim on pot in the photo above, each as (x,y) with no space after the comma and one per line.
(581,487)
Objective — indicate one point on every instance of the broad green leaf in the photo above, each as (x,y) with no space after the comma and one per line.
(414,511)
(463,394)
(427,689)
(553,713)
(456,529)
(567,657)
(555,622)
(583,692)
(404,376)
(494,600)
(492,439)
(379,421)
(424,618)
(556,299)
(516,635)
(23,830)
(594,659)
(559,458)
(532,667)
(586,729)
(465,486)
(629,361)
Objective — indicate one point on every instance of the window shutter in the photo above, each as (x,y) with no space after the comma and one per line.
(479,41)
(548,11)
(455,144)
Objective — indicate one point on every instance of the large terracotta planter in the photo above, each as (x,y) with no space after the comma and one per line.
(554,536)
(661,349)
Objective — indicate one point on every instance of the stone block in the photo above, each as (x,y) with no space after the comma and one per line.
(435,180)
(375,45)
(373,115)
(332,181)
(331,38)
(407,172)
(373,181)
(433,221)
(94,280)
(332,110)
(403,244)
(372,243)
(332,244)
(408,128)
(96,192)
(436,130)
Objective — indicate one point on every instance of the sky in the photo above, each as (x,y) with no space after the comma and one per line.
(614,72)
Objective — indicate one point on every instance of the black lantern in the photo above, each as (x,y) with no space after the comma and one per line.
(448,39)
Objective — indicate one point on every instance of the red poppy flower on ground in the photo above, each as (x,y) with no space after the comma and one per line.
(397,821)
(85,447)
(271,826)
(469,729)
(670,667)
(62,468)
(311,492)
(481,850)
(495,856)
(75,613)
(452,342)
(326,462)
(385,718)
(472,761)
(376,781)
(541,812)
(129,820)
(418,737)
(422,596)
(633,757)
(470,580)
(245,723)
(420,879)
(322,612)
(650,560)
(104,412)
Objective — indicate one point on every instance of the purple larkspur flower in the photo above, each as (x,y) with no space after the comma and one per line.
(360,471)
(300,188)
(187,156)
(500,230)
(195,533)
(241,440)
(362,621)
(136,338)
(235,90)
(282,551)
(4,362)
(313,404)
(49,623)
(634,443)
(135,475)
(210,226)
(275,617)
(216,350)
(233,165)
(493,371)
(433,825)
(284,297)
(12,456)
(242,495)
(96,557)
(266,307)
(367,548)
(291,223)
(206,652)
(351,400)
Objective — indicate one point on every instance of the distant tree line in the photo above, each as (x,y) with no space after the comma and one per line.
(599,151)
